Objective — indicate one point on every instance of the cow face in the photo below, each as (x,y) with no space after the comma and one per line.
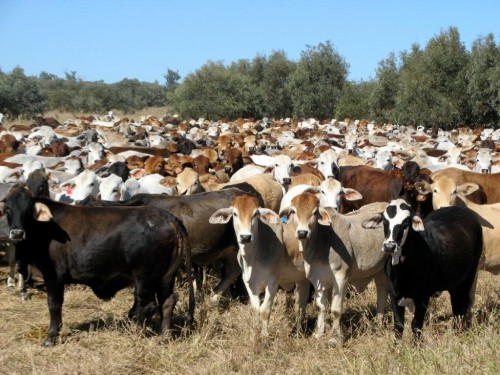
(328,163)
(280,168)
(306,213)
(245,212)
(19,206)
(396,219)
(445,191)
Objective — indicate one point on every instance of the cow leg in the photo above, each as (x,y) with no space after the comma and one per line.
(166,303)
(382,286)
(461,303)
(55,299)
(22,269)
(266,306)
(321,302)
(417,323)
(336,308)
(11,279)
(231,271)
(167,312)
(304,292)
(399,316)
(146,304)
(199,274)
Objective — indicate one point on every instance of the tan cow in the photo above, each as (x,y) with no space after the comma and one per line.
(337,250)
(262,256)
(489,182)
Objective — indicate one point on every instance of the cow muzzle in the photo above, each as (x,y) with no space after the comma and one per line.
(302,234)
(17,234)
(287,181)
(245,238)
(390,247)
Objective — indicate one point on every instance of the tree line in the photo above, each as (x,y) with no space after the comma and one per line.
(441,84)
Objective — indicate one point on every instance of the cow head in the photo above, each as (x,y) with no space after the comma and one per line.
(245,212)
(397,219)
(306,213)
(20,208)
(445,190)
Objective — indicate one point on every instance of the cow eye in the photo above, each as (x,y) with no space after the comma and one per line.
(235,214)
(115,190)
(322,162)
(434,191)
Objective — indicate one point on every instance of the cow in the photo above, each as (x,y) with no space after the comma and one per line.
(143,246)
(264,261)
(208,244)
(373,184)
(428,256)
(445,193)
(488,181)
(336,251)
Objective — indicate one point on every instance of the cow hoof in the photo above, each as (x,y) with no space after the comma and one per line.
(49,343)
(24,296)
(334,343)
(317,335)
(214,300)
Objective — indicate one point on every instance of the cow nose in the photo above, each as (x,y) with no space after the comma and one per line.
(287,181)
(485,171)
(390,247)
(302,234)
(16,234)
(245,238)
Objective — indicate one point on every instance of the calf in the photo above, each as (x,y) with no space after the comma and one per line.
(262,256)
(428,256)
(337,250)
(106,249)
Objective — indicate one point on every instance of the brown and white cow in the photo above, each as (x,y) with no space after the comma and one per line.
(262,256)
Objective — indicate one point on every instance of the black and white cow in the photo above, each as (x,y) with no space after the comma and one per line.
(439,253)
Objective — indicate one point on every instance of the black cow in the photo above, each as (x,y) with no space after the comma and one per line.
(439,253)
(209,243)
(106,249)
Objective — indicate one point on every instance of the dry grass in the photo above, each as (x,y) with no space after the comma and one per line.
(98,339)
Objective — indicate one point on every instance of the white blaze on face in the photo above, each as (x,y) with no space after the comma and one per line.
(397,216)
(282,166)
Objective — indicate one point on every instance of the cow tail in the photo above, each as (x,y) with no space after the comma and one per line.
(185,246)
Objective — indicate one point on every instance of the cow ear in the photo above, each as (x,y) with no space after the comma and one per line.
(417,224)
(286,214)
(268,170)
(373,222)
(268,216)
(42,212)
(467,188)
(352,194)
(312,190)
(221,216)
(324,217)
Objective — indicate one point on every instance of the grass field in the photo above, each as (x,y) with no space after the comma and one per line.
(97,338)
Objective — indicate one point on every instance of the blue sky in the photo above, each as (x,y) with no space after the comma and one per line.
(110,39)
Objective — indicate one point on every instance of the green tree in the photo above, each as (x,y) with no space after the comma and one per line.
(172,78)
(21,95)
(484,81)
(354,102)
(382,101)
(276,90)
(433,82)
(213,91)
(316,84)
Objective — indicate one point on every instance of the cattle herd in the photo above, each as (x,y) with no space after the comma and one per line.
(312,206)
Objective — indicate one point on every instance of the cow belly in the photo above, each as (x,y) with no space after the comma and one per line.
(107,288)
